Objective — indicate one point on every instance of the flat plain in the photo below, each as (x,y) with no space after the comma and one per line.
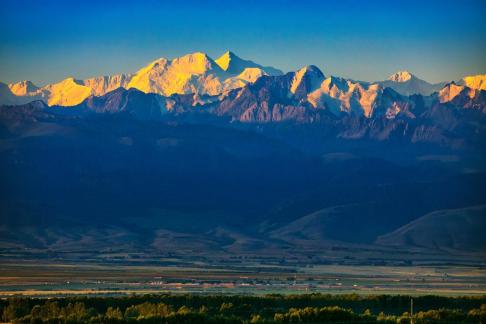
(62,279)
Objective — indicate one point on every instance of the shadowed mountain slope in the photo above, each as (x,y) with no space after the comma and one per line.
(453,229)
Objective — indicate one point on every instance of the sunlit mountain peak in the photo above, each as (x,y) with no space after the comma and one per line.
(453,90)
(196,63)
(475,81)
(401,76)
(22,88)
(224,60)
(308,77)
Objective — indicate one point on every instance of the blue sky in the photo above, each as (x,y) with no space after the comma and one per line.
(46,41)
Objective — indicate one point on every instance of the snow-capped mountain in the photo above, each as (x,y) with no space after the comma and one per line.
(208,80)
(191,73)
(408,84)
(306,80)
(233,64)
(103,84)
(452,90)
(341,95)
(336,94)
(307,94)
(19,93)
(474,81)
(463,96)
(23,88)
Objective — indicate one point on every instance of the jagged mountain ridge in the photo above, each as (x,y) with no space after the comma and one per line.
(408,84)
(308,96)
(415,120)
(200,74)
(191,73)
(349,110)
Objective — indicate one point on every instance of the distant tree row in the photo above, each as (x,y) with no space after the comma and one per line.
(222,309)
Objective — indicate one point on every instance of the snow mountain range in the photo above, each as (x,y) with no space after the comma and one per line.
(200,75)
(192,73)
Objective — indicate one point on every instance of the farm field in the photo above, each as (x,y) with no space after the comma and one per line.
(63,279)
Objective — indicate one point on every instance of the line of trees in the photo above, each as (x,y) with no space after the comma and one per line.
(234,309)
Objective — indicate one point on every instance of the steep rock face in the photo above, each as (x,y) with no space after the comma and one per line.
(305,81)
(268,99)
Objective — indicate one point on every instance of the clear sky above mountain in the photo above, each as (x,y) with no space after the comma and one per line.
(46,41)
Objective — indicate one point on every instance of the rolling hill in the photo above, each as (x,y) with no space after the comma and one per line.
(452,229)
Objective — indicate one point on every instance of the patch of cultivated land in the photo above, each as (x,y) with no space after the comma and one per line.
(57,279)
